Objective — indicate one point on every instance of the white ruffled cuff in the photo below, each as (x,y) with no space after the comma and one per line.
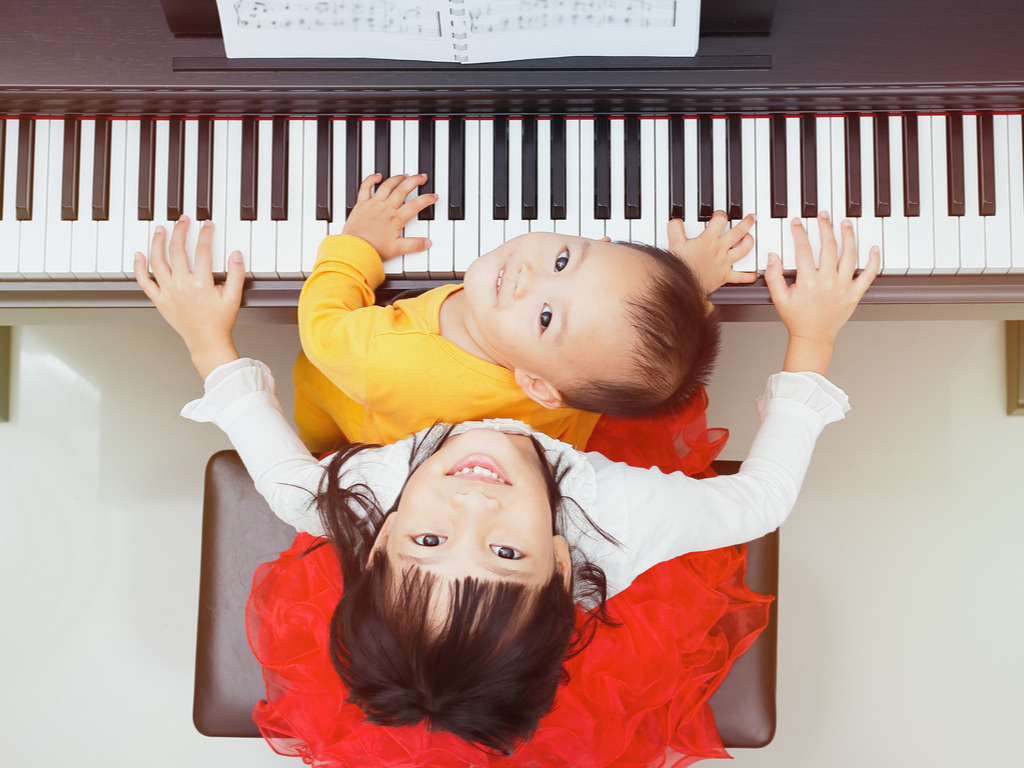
(811,390)
(227,385)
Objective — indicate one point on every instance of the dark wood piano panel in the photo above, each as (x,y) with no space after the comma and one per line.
(119,56)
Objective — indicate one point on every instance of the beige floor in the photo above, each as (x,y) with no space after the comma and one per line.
(901,612)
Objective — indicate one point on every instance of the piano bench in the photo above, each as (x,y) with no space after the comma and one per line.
(240,532)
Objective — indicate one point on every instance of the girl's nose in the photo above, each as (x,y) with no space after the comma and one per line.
(474,501)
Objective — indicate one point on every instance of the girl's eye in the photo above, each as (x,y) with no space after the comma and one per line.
(562,261)
(429,540)
(506,552)
(545,317)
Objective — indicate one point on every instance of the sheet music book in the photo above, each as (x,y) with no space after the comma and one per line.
(463,31)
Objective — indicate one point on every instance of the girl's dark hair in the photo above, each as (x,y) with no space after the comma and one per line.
(492,670)
(678,337)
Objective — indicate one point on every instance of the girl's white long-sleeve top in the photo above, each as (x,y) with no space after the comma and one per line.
(652,515)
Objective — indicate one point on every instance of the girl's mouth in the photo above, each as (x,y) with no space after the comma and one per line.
(481,468)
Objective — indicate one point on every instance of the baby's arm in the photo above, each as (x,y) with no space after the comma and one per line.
(822,298)
(713,252)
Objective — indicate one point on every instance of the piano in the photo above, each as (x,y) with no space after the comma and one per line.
(119,115)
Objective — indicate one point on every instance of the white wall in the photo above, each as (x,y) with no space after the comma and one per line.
(900,604)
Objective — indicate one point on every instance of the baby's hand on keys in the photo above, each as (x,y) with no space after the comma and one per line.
(202,312)
(713,252)
(378,217)
(822,299)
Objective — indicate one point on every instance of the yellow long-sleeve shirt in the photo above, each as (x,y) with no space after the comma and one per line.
(381,373)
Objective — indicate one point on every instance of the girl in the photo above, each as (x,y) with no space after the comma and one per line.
(460,558)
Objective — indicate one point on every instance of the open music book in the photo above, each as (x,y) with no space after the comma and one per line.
(463,31)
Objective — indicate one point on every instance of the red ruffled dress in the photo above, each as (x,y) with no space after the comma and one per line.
(637,695)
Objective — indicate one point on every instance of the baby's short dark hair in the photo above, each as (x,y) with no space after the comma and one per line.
(678,335)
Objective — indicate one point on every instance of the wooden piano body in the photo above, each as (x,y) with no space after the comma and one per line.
(863,61)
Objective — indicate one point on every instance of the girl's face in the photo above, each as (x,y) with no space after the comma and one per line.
(478,508)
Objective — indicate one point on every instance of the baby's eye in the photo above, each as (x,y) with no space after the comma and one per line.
(506,552)
(429,540)
(545,317)
(562,261)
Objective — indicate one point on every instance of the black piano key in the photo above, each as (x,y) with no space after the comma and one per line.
(778,182)
(675,171)
(324,169)
(529,177)
(602,168)
(986,165)
(353,162)
(26,170)
(101,170)
(911,167)
(204,170)
(883,188)
(559,195)
(250,155)
(734,168)
(176,169)
(808,166)
(500,169)
(147,169)
(854,198)
(3,146)
(456,169)
(426,158)
(279,170)
(382,146)
(705,169)
(956,197)
(71,169)
(632,171)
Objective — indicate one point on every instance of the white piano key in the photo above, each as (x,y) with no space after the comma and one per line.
(920,229)
(135,230)
(289,229)
(466,240)
(691,177)
(367,149)
(589,226)
(57,260)
(652,219)
(617,228)
(83,230)
(311,230)
(263,262)
(111,247)
(869,226)
(191,175)
(659,193)
(793,191)
(998,247)
(237,232)
(770,231)
(571,224)
(972,228)
(219,200)
(543,222)
(945,228)
(31,260)
(719,173)
(492,230)
(748,142)
(397,165)
(414,265)
(1015,200)
(837,158)
(515,224)
(894,226)
(441,256)
(10,228)
(337,223)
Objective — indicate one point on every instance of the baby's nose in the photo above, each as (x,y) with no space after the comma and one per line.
(524,278)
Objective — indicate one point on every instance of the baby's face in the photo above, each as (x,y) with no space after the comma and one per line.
(554,306)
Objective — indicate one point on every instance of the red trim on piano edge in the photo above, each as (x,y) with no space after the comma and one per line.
(113,294)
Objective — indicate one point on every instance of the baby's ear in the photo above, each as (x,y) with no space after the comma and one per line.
(537,389)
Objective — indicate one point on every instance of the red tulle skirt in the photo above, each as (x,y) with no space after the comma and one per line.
(637,695)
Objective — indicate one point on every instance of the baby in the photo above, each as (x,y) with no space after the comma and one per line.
(547,328)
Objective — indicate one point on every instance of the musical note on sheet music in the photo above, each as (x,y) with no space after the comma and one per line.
(508,15)
(367,16)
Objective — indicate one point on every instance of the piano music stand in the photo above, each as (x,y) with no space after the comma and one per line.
(240,532)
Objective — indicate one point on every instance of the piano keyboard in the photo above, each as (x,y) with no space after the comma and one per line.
(941,194)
